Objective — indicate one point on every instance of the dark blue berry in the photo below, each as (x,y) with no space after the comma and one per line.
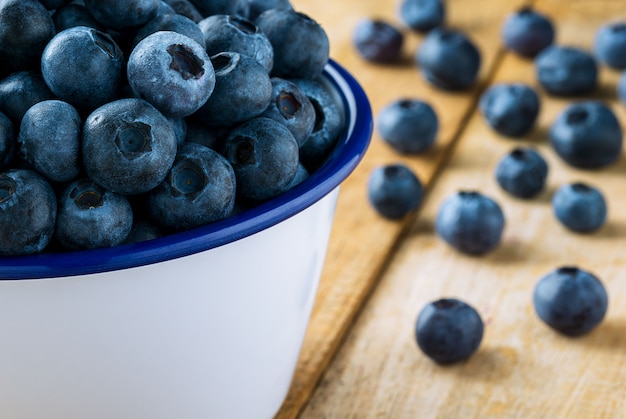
(511,109)
(143,230)
(610,44)
(470,222)
(449,330)
(448,59)
(223,7)
(408,125)
(186,8)
(7,141)
(259,6)
(122,15)
(566,71)
(587,135)
(527,32)
(72,15)
(394,191)
(522,172)
(28,209)
(20,91)
(378,41)
(171,22)
(422,15)
(570,300)
(53,4)
(580,207)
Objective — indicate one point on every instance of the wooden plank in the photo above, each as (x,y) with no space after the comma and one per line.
(361,240)
(523,369)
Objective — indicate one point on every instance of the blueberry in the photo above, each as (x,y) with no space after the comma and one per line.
(259,6)
(172,72)
(243,90)
(7,140)
(28,209)
(378,41)
(449,330)
(302,174)
(83,67)
(292,108)
(20,91)
(122,15)
(90,216)
(186,8)
(610,45)
(394,191)
(142,230)
(199,189)
(408,125)
(621,88)
(179,125)
(511,109)
(570,300)
(522,172)
(170,22)
(264,155)
(422,15)
(566,70)
(224,33)
(128,146)
(527,32)
(307,51)
(72,15)
(448,59)
(25,29)
(470,222)
(579,207)
(49,139)
(212,137)
(223,7)
(587,135)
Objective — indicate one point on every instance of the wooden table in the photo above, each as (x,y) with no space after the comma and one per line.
(359,358)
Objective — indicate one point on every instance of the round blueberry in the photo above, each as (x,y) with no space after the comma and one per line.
(570,300)
(170,22)
(186,8)
(20,91)
(90,216)
(378,41)
(448,59)
(522,172)
(408,125)
(566,71)
(470,222)
(128,146)
(172,72)
(610,44)
(394,191)
(449,330)
(259,6)
(28,209)
(142,230)
(122,15)
(579,207)
(587,135)
(7,140)
(422,15)
(72,15)
(527,32)
(511,109)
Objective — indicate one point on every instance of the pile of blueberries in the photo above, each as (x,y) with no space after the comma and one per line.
(586,135)
(123,121)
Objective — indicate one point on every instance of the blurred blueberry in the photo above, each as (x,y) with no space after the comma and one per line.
(522,172)
(570,300)
(378,41)
(394,191)
(610,44)
(170,22)
(579,207)
(422,15)
(49,139)
(186,8)
(28,209)
(566,71)
(408,125)
(448,59)
(7,140)
(122,15)
(259,6)
(20,91)
(587,135)
(527,32)
(470,222)
(511,109)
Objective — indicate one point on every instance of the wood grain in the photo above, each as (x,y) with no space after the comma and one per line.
(361,241)
(523,369)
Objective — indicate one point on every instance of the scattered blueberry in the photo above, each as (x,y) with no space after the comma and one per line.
(580,207)
(470,222)
(422,15)
(522,172)
(448,59)
(527,32)
(566,70)
(570,300)
(610,45)
(378,41)
(511,109)
(449,330)
(408,125)
(394,191)
(587,135)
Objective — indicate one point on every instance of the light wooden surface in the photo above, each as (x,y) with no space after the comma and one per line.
(379,274)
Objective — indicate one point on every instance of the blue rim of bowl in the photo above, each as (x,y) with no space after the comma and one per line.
(343,160)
